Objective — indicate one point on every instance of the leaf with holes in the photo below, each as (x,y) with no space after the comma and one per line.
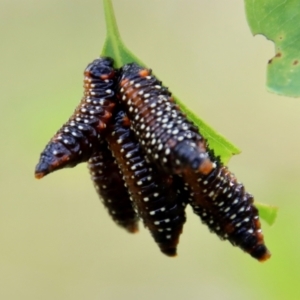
(279,21)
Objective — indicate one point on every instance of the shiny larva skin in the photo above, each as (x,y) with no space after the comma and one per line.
(161,127)
(111,189)
(151,191)
(227,209)
(77,139)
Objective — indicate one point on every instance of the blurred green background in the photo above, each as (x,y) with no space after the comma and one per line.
(57,241)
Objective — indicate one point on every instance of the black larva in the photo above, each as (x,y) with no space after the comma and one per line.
(151,191)
(227,209)
(77,140)
(111,189)
(162,129)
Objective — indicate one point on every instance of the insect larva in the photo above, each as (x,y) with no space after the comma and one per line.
(161,127)
(151,190)
(111,189)
(77,139)
(223,204)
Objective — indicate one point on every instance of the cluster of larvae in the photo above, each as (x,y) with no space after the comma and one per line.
(148,161)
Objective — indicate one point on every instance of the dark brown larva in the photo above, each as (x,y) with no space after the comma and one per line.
(77,139)
(151,191)
(227,209)
(111,189)
(162,129)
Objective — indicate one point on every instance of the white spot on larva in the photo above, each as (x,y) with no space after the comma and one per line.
(167,152)
(250,230)
(211,194)
(153,142)
(157,87)
(119,141)
(229,196)
(104,186)
(122,90)
(147,95)
(137,85)
(236,200)
(128,155)
(165,160)
(156,222)
(156,195)
(139,183)
(146,199)
(175,131)
(66,129)
(66,141)
(205,182)
(177,162)
(141,92)
(123,97)
(167,220)
(108,91)
(221,203)
(54,152)
(168,236)
(152,212)
(232,216)
(227,209)
(246,220)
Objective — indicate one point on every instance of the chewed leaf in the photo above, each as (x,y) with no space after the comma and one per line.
(279,22)
(115,48)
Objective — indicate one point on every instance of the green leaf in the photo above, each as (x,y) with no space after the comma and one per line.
(115,48)
(267,212)
(278,21)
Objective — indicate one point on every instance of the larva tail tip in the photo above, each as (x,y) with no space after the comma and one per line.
(265,257)
(39,175)
(133,228)
(171,252)
(41,170)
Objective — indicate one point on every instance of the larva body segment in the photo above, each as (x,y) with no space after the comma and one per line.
(110,186)
(151,191)
(227,209)
(77,139)
(162,129)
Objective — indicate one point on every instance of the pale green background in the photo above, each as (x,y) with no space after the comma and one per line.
(56,240)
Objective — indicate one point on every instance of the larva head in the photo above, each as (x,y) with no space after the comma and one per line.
(100,68)
(133,69)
